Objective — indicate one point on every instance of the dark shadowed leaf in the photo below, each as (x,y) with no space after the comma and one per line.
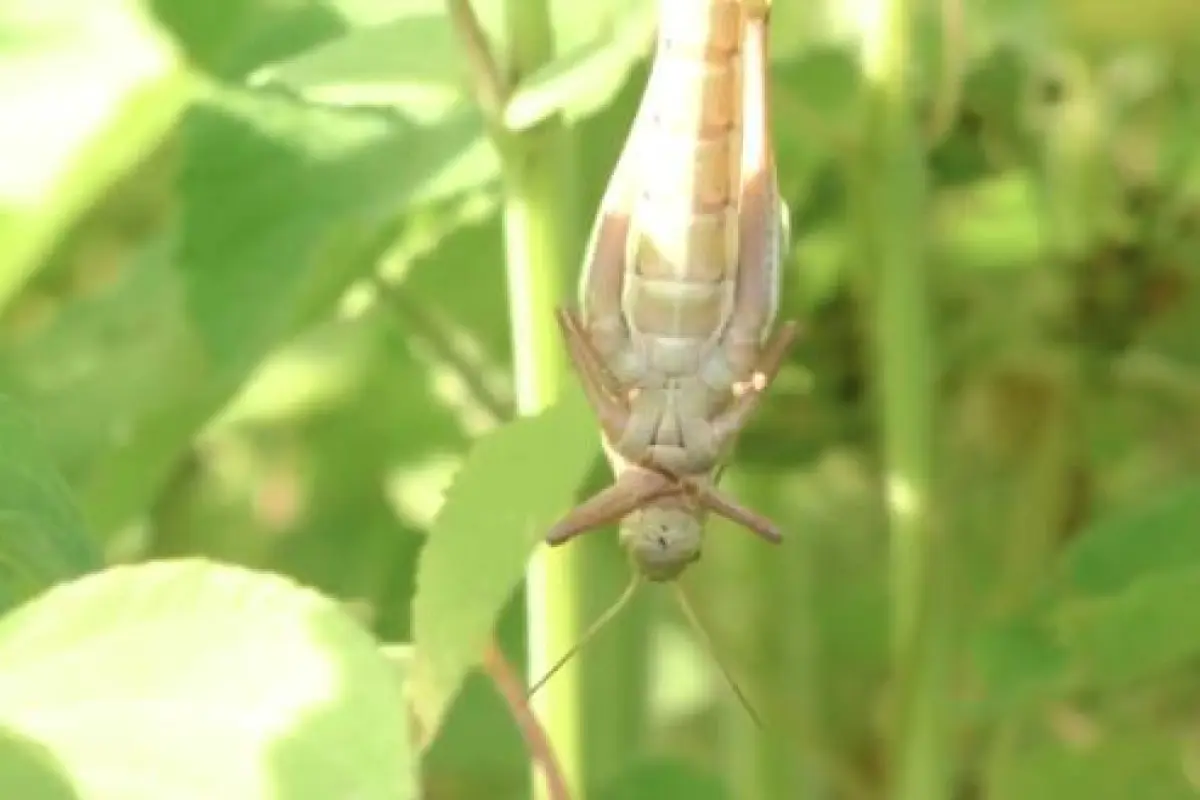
(515,483)
(664,778)
(1018,663)
(1119,610)
(194,680)
(269,182)
(43,539)
(1142,631)
(1082,757)
(1160,534)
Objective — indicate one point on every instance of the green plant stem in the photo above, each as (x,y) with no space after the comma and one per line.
(735,603)
(891,196)
(534,233)
(541,241)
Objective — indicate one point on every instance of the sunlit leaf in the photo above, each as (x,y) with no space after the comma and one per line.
(86,88)
(515,483)
(407,56)
(43,539)
(1112,24)
(193,680)
(586,80)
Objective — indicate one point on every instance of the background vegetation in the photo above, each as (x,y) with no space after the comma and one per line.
(275,278)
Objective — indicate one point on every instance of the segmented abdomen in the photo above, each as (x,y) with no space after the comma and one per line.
(682,256)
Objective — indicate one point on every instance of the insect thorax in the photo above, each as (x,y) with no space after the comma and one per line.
(662,541)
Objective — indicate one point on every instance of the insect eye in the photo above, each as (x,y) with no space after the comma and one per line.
(661,536)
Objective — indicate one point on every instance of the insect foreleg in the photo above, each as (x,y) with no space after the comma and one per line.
(634,489)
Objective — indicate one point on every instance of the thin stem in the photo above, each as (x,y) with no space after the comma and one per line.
(417,320)
(512,688)
(891,201)
(949,89)
(540,241)
(487,81)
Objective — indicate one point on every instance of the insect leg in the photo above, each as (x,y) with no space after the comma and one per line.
(722,504)
(632,490)
(597,385)
(750,393)
(706,494)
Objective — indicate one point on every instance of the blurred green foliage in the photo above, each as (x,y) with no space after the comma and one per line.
(253,320)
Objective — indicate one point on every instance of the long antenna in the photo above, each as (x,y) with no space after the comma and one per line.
(595,628)
(689,613)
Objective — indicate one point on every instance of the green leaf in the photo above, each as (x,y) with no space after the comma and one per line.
(86,88)
(1018,664)
(515,483)
(271,183)
(1158,535)
(284,206)
(190,679)
(43,539)
(653,778)
(1142,631)
(409,56)
(586,80)
(29,770)
(1086,759)
(1119,610)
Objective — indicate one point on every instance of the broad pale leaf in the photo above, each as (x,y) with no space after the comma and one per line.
(407,55)
(515,483)
(43,538)
(190,679)
(86,88)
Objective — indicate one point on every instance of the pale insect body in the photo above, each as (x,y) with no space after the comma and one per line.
(678,293)
(681,284)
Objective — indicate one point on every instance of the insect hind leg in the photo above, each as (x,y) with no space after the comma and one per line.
(598,387)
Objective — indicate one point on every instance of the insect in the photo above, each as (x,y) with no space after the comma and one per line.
(680,289)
